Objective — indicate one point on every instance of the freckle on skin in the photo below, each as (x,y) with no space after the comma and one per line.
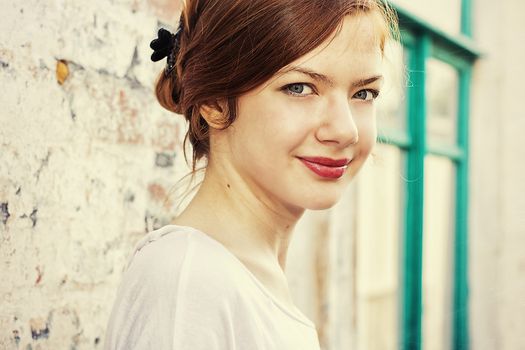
(228,185)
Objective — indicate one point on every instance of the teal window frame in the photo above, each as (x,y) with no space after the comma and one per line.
(422,41)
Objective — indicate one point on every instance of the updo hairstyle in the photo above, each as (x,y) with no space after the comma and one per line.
(229,47)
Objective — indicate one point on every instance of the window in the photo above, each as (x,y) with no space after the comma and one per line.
(412,264)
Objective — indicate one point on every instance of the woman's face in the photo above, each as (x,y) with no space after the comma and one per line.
(320,106)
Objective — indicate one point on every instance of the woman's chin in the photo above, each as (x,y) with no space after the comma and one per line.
(322,202)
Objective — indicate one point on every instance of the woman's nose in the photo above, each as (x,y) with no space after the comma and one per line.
(338,124)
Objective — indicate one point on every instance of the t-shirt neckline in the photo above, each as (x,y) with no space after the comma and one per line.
(296,313)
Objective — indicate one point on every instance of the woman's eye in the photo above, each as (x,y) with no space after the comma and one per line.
(367,94)
(298,89)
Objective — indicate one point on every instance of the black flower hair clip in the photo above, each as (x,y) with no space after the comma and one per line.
(167,45)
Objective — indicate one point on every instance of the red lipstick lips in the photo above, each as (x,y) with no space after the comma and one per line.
(326,167)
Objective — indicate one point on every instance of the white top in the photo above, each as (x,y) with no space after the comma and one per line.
(184,290)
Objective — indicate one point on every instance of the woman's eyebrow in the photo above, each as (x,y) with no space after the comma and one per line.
(366,81)
(323,78)
(314,75)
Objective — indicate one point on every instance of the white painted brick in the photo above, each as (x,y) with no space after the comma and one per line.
(80,157)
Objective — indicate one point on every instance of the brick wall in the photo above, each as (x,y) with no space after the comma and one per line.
(85,164)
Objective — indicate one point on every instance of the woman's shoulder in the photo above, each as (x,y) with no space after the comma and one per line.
(174,273)
(180,254)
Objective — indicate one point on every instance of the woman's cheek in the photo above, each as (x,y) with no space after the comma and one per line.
(366,120)
(294,119)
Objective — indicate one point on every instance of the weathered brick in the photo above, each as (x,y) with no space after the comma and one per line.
(76,162)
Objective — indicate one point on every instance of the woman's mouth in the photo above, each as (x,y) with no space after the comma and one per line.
(326,167)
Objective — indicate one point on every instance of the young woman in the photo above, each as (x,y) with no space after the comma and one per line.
(280,100)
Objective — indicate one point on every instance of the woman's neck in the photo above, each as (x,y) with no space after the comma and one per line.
(248,223)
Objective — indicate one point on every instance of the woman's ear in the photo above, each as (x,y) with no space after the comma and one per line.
(215,114)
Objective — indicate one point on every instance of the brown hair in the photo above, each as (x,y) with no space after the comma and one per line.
(229,47)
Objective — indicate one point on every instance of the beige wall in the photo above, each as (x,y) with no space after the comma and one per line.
(497,204)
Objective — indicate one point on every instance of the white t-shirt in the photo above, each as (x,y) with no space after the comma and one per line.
(184,290)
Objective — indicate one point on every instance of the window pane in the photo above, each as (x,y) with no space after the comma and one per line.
(444,14)
(391,111)
(438,252)
(442,102)
(379,227)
